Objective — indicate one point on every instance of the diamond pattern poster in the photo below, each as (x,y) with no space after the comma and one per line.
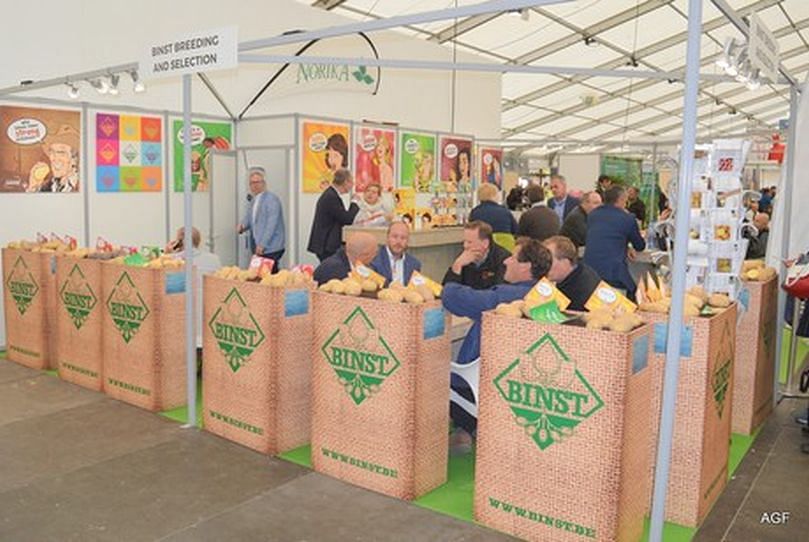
(129,153)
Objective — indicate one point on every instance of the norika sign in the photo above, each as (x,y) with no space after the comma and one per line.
(126,307)
(77,296)
(548,396)
(720,379)
(311,73)
(236,331)
(21,285)
(359,356)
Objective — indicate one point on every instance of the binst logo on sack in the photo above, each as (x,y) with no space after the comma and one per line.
(547,394)
(360,356)
(21,285)
(77,297)
(236,331)
(720,380)
(127,307)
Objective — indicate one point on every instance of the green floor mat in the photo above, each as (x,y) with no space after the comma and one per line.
(300,456)
(455,498)
(803,349)
(739,446)
(180,414)
(52,372)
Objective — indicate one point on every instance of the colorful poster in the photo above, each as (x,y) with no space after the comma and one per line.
(325,150)
(204,137)
(456,163)
(39,150)
(375,155)
(129,153)
(417,162)
(491,166)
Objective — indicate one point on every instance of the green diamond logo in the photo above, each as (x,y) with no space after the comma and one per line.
(126,307)
(21,285)
(77,297)
(361,75)
(547,394)
(236,331)
(720,380)
(359,356)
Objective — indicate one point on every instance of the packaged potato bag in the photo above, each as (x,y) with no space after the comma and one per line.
(362,273)
(262,266)
(417,279)
(607,297)
(544,292)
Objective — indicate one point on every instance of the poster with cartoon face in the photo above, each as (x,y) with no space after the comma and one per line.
(417,161)
(456,163)
(325,148)
(374,158)
(491,166)
(204,137)
(40,150)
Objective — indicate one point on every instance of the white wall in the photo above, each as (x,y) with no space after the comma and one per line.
(580,170)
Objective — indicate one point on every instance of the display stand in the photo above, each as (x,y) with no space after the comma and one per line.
(256,371)
(78,318)
(563,430)
(142,330)
(380,393)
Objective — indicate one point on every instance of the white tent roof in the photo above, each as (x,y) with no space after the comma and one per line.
(592,109)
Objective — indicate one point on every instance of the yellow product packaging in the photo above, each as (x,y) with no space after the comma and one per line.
(607,297)
(417,279)
(546,291)
(362,272)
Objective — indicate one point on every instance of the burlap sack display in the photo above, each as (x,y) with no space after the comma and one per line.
(143,335)
(77,321)
(257,367)
(380,393)
(29,301)
(563,430)
(701,443)
(753,376)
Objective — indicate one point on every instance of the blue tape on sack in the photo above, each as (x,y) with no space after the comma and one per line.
(686,340)
(175,283)
(296,303)
(744,299)
(53,265)
(433,323)
(640,354)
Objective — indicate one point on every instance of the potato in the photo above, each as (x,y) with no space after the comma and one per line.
(753,274)
(506,309)
(368,285)
(698,292)
(623,324)
(338,288)
(396,285)
(694,301)
(352,288)
(767,273)
(394,296)
(325,287)
(691,310)
(425,292)
(719,300)
(411,296)
(657,307)
(749,265)
(598,323)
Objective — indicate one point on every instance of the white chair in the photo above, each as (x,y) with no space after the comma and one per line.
(470,373)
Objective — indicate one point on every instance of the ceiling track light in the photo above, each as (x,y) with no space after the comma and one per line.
(137,84)
(590,41)
(100,85)
(73,90)
(114,79)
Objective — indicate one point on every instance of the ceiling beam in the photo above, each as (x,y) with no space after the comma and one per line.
(462,27)
(328,5)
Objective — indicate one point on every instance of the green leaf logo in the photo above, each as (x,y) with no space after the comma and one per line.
(21,285)
(236,330)
(126,307)
(77,297)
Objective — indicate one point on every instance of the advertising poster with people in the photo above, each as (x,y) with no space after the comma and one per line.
(417,162)
(375,155)
(39,150)
(205,136)
(129,153)
(456,164)
(491,166)
(325,150)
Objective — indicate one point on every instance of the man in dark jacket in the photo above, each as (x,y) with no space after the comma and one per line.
(575,226)
(332,212)
(360,247)
(492,213)
(480,265)
(757,248)
(538,222)
(575,279)
(610,228)
(392,261)
(561,203)
(634,204)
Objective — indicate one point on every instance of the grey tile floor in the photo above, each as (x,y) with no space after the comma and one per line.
(77,466)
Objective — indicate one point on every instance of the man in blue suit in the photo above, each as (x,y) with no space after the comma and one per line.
(264,220)
(610,228)
(561,202)
(393,262)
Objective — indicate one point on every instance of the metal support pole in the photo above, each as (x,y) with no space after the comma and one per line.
(190,336)
(783,253)
(675,324)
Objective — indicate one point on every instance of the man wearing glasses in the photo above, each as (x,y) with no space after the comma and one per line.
(264,219)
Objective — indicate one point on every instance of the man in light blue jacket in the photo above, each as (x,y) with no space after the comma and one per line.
(264,220)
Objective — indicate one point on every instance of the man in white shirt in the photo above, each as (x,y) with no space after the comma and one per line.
(393,262)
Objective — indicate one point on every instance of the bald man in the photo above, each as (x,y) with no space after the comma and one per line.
(360,247)
(757,248)
(393,262)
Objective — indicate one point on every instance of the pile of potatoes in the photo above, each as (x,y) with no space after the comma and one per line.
(22,245)
(396,293)
(515,309)
(611,320)
(696,299)
(758,271)
(234,273)
(51,247)
(288,279)
(165,262)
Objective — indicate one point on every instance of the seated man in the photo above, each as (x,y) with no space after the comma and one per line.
(575,279)
(393,262)
(360,246)
(530,262)
(757,248)
(480,265)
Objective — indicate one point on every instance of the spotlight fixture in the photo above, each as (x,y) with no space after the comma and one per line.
(100,85)
(590,41)
(114,78)
(137,84)
(725,60)
(73,91)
